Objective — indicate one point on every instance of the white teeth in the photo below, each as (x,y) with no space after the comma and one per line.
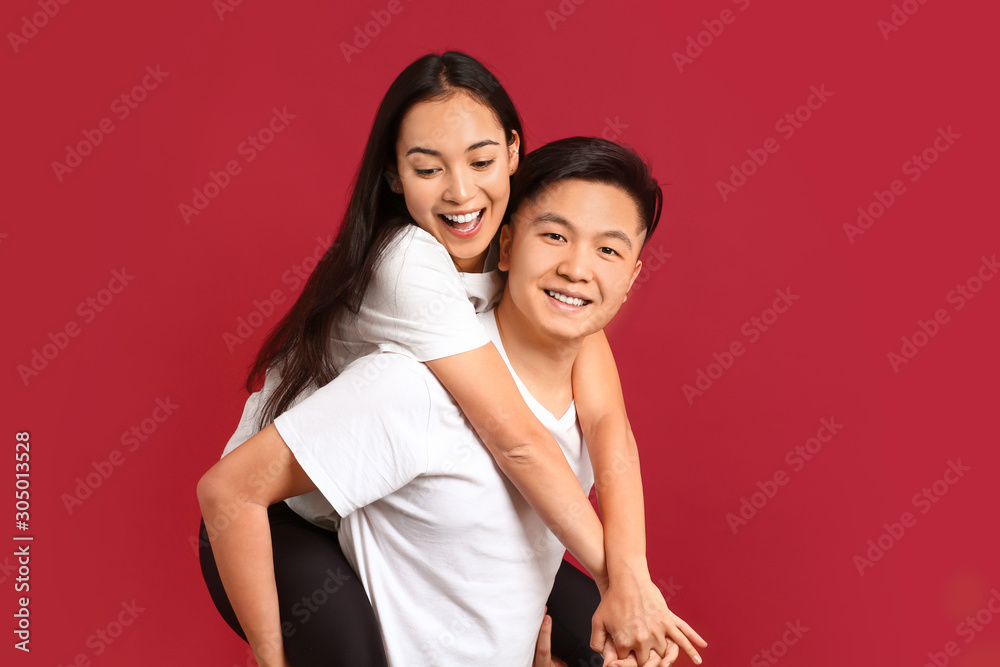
(565,299)
(468,217)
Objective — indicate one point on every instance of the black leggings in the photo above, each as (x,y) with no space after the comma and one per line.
(326,617)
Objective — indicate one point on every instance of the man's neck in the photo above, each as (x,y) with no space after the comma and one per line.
(544,364)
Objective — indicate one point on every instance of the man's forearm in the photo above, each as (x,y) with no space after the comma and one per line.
(240,535)
(619,492)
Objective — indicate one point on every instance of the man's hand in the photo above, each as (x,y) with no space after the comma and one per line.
(271,654)
(543,647)
(634,618)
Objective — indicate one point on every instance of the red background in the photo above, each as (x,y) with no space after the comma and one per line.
(608,67)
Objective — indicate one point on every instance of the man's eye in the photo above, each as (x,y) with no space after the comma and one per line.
(555,237)
(608,251)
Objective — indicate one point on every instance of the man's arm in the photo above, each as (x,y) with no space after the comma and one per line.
(234,496)
(634,609)
(372,451)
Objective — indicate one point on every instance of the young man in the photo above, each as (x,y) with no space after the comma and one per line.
(456,564)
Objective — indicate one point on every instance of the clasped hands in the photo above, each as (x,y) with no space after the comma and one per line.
(632,628)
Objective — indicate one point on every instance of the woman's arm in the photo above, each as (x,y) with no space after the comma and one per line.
(234,496)
(633,605)
(526,452)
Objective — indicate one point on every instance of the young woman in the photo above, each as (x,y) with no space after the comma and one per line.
(430,194)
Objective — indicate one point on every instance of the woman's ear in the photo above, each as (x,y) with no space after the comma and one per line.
(392,178)
(505,237)
(513,151)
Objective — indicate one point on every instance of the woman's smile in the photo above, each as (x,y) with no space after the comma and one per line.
(464,225)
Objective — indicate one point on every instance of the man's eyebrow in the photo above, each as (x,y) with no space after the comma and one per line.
(559,220)
(552,217)
(434,153)
(620,235)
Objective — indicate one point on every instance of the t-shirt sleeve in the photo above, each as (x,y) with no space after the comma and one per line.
(363,435)
(247,427)
(417,304)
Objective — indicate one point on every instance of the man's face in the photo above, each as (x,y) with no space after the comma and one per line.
(572,253)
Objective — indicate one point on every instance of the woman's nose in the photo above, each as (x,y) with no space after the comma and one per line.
(460,187)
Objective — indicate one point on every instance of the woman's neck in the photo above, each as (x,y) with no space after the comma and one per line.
(473,265)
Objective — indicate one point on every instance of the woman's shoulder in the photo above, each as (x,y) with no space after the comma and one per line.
(409,237)
(410,249)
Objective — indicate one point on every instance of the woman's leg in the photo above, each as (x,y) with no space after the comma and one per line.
(572,604)
(326,617)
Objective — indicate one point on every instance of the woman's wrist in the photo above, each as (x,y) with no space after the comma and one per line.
(634,568)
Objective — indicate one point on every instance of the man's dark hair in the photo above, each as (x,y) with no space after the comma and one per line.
(589,159)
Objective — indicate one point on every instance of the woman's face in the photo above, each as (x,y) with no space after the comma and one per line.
(453,166)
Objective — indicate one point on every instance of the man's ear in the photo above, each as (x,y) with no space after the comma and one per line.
(505,239)
(635,274)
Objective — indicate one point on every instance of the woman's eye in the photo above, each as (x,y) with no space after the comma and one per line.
(483,164)
(425,172)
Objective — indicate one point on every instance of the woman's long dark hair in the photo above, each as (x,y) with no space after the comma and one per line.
(298,347)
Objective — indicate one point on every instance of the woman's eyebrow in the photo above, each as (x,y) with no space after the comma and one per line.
(432,152)
(484,142)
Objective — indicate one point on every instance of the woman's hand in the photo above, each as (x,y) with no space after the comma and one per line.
(611,659)
(633,617)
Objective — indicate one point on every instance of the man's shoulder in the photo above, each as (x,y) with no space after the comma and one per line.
(389,371)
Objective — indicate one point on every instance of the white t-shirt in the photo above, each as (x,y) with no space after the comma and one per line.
(456,564)
(418,305)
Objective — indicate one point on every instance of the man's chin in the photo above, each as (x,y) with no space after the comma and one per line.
(568,331)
